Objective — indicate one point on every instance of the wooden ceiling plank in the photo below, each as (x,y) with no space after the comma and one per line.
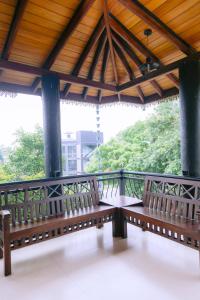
(4,64)
(91,43)
(161,71)
(109,35)
(80,12)
(152,20)
(97,54)
(19,11)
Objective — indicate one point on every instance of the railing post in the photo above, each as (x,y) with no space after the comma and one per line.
(122,184)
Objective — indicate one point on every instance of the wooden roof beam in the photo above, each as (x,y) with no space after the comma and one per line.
(109,35)
(174,79)
(80,12)
(104,67)
(123,59)
(4,64)
(97,54)
(133,41)
(127,49)
(91,43)
(140,93)
(152,20)
(161,71)
(19,11)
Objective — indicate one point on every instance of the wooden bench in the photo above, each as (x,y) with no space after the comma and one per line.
(38,211)
(170,209)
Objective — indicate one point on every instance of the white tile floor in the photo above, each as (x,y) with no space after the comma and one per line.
(92,265)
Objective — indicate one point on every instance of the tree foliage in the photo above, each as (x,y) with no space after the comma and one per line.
(152,145)
(26,158)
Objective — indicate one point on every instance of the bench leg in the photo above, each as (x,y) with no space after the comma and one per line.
(1,253)
(7,259)
(119,225)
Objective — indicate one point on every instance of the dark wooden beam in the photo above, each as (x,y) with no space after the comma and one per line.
(16,88)
(4,64)
(127,49)
(109,35)
(140,93)
(152,20)
(123,98)
(104,66)
(152,75)
(130,38)
(123,59)
(19,10)
(91,43)
(95,59)
(157,87)
(133,41)
(174,79)
(80,12)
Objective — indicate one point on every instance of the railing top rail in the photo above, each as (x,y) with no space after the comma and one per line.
(57,179)
(99,174)
(161,175)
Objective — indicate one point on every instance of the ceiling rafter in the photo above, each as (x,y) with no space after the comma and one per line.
(152,20)
(91,43)
(174,79)
(78,15)
(132,40)
(128,68)
(104,67)
(109,36)
(19,11)
(140,93)
(95,59)
(127,49)
(123,59)
(157,87)
(4,64)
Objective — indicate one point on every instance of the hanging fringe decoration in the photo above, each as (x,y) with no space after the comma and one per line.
(121,103)
(7,94)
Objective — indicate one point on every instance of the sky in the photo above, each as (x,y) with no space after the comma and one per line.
(25,111)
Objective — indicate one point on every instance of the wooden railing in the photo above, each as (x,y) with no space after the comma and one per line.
(110,184)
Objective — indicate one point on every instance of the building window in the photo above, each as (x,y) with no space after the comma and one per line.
(71,151)
(72,166)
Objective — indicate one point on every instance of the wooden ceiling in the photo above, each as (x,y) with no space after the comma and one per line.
(96,47)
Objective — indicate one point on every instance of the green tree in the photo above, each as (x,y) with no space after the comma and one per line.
(26,158)
(152,145)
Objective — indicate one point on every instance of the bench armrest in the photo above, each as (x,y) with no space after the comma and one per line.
(4,213)
(4,220)
(198,214)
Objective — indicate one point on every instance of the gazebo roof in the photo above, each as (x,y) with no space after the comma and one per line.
(97,47)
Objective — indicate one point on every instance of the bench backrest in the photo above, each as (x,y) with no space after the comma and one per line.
(172,196)
(33,201)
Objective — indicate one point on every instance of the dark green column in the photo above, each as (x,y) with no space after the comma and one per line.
(189,74)
(52,132)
